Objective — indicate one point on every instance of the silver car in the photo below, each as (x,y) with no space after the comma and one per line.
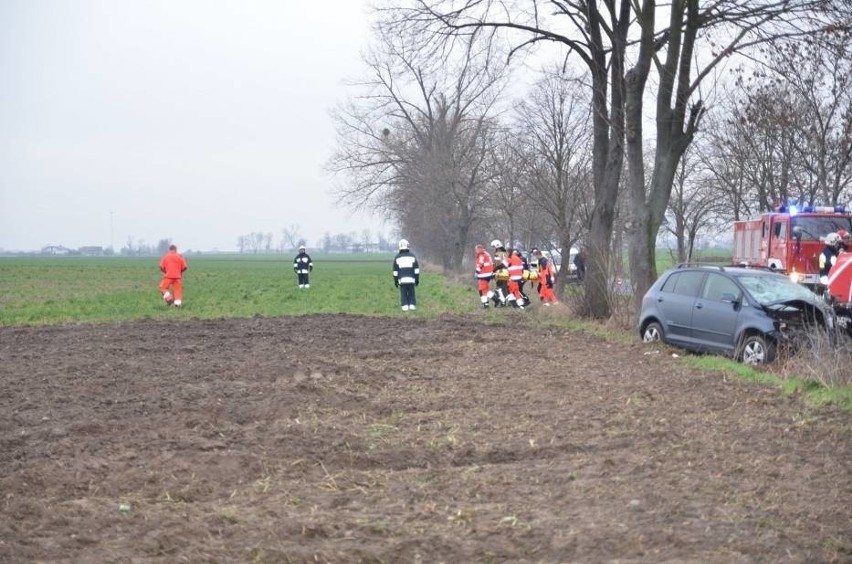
(745,313)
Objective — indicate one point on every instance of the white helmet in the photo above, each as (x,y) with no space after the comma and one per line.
(301,247)
(403,244)
(496,243)
(832,239)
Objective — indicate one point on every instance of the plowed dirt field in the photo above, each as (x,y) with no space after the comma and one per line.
(336,438)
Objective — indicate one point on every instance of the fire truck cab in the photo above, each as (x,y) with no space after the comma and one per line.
(789,240)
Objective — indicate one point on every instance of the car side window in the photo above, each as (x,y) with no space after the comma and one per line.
(717,287)
(683,283)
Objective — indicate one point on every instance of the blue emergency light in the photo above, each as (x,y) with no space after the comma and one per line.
(793,209)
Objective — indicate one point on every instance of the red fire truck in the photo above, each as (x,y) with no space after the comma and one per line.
(789,240)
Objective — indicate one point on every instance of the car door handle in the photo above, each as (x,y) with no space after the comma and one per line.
(699,306)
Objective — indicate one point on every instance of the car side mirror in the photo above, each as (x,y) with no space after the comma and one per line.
(729,298)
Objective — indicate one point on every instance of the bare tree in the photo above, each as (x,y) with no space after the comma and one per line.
(290,237)
(743,160)
(789,134)
(367,239)
(414,144)
(553,132)
(816,80)
(254,242)
(694,206)
(507,196)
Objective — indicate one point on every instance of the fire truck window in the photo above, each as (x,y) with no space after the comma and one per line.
(684,283)
(815,228)
(765,230)
(781,230)
(717,286)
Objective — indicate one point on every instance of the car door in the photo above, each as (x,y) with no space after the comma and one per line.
(676,301)
(715,313)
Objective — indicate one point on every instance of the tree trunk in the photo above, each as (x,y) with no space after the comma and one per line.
(643,241)
(607,158)
(640,252)
(643,259)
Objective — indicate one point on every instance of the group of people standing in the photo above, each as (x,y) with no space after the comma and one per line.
(510,271)
(173,265)
(406,274)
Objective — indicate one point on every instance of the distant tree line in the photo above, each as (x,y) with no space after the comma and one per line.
(291,239)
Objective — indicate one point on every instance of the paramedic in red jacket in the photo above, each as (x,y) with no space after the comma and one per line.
(484,274)
(516,276)
(172,264)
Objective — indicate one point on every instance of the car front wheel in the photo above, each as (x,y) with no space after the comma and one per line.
(756,349)
(653,332)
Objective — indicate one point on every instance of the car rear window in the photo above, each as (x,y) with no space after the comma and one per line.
(683,283)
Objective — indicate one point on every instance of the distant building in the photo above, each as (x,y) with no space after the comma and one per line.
(56,250)
(92,251)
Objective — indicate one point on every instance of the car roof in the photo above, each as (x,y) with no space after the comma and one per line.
(731,269)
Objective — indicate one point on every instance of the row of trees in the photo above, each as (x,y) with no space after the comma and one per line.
(441,138)
(264,242)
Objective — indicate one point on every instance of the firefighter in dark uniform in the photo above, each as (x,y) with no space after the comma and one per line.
(406,276)
(302,266)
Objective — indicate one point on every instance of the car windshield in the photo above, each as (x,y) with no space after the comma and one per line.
(774,288)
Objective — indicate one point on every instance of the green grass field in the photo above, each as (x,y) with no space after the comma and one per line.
(51,290)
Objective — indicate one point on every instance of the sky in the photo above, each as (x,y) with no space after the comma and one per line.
(197,121)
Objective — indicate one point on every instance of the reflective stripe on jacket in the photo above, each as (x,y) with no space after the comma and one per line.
(484,265)
(516,268)
(303,263)
(406,270)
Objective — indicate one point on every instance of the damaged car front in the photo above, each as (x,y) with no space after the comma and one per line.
(800,318)
(746,313)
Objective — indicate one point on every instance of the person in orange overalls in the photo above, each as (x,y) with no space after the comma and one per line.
(546,278)
(516,276)
(484,274)
(172,265)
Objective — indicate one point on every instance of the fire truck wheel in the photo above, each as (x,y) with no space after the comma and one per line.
(653,332)
(756,349)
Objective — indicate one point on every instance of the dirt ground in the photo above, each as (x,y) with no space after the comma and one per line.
(336,438)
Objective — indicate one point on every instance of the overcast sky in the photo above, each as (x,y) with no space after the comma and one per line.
(194,120)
